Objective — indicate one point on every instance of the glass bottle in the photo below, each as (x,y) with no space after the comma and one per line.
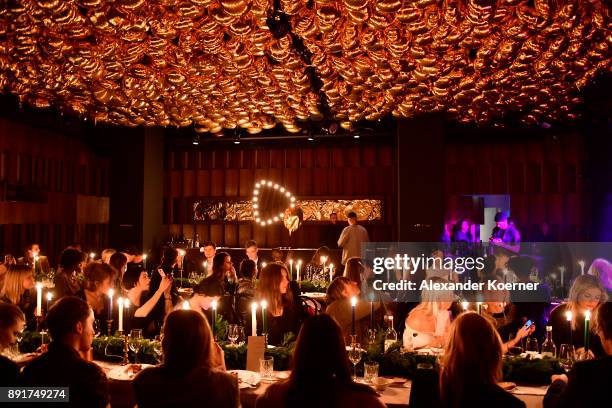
(390,334)
(548,347)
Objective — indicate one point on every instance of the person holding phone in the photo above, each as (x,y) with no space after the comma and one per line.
(168,263)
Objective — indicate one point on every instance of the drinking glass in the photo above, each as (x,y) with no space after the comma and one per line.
(518,346)
(532,345)
(370,372)
(135,342)
(567,356)
(233,333)
(96,328)
(157,348)
(354,356)
(266,367)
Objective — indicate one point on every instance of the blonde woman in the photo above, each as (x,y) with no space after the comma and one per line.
(427,324)
(472,366)
(586,293)
(17,290)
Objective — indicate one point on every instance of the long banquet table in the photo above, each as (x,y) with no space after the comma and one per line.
(122,395)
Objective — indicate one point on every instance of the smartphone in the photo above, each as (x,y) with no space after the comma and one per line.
(162,273)
(528,324)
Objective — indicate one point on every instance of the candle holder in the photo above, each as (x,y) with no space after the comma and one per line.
(126,349)
(109,327)
(39,323)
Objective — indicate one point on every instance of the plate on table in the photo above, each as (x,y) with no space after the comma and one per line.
(246,379)
(126,372)
(314,295)
(507,386)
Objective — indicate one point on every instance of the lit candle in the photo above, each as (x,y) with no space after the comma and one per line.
(331,272)
(214,316)
(263,265)
(291,269)
(587,321)
(371,315)
(465,306)
(49,297)
(353,305)
(323,260)
(111,292)
(254,319)
(298,266)
(569,315)
(36,258)
(120,304)
(92,255)
(479,307)
(186,305)
(39,287)
(264,305)
(144,261)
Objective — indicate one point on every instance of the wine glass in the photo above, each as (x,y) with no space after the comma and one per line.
(567,356)
(233,333)
(135,342)
(157,348)
(532,346)
(517,349)
(354,356)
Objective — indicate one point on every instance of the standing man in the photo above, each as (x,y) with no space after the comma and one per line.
(210,250)
(331,231)
(251,249)
(33,258)
(351,238)
(504,234)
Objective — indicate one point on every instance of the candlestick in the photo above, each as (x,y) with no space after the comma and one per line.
(38,311)
(587,321)
(353,305)
(264,305)
(182,255)
(111,292)
(109,327)
(581,263)
(569,316)
(331,272)
(291,269)
(120,304)
(214,316)
(254,319)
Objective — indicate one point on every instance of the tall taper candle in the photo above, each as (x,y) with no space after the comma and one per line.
(214,316)
(331,272)
(587,334)
(38,311)
(111,292)
(371,315)
(568,316)
(264,305)
(353,304)
(298,266)
(254,319)
(49,297)
(120,306)
(291,269)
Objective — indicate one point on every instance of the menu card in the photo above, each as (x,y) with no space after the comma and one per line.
(256,349)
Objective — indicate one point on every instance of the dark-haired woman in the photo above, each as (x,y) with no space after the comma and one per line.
(321,373)
(70,266)
(12,323)
(138,314)
(99,278)
(192,373)
(283,312)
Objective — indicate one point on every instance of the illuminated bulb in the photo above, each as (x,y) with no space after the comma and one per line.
(281,215)
(263,223)
(282,189)
(275,219)
(292,199)
(288,194)
(255,205)
(256,213)
(276,186)
(255,199)
(292,206)
(111,292)
(144,256)
(253,307)
(181,252)
(92,255)
(214,304)
(269,183)
(256,192)
(269,222)
(120,302)
(587,315)
(257,185)
(263,264)
(263,181)
(257,219)
(49,296)
(264,304)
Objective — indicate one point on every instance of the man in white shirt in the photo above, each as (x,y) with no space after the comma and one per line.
(351,238)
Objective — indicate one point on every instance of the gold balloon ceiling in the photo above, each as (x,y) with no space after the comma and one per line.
(216,64)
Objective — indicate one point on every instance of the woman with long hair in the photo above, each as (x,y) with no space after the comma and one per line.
(192,372)
(586,293)
(283,313)
(472,366)
(321,373)
(136,283)
(314,268)
(428,323)
(339,295)
(355,271)
(17,290)
(12,323)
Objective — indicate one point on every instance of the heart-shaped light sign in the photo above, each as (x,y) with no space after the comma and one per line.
(270,202)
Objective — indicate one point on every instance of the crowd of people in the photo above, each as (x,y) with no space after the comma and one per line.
(473,338)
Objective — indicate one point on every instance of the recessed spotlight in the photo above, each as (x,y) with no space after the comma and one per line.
(196,140)
(310,139)
(236,141)
(356,136)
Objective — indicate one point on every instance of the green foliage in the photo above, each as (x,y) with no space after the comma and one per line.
(531,371)
(314,286)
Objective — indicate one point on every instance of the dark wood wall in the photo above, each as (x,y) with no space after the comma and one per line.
(324,171)
(71,185)
(542,174)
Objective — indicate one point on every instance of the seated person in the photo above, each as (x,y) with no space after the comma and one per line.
(138,314)
(588,383)
(428,323)
(70,267)
(18,290)
(472,366)
(70,323)
(339,295)
(284,313)
(99,279)
(320,363)
(586,293)
(207,292)
(12,323)
(314,268)
(245,292)
(192,373)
